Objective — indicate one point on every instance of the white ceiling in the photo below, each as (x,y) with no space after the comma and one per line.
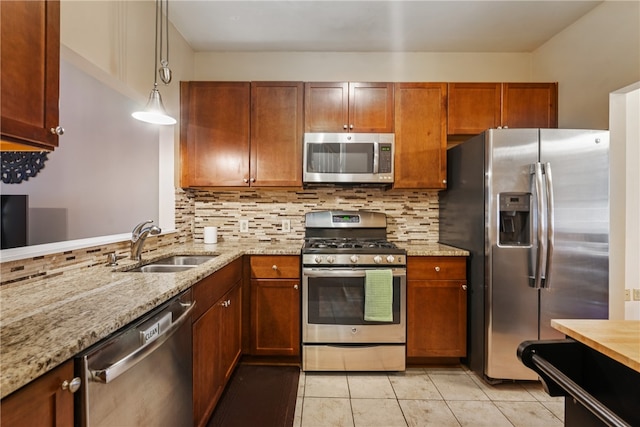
(373,26)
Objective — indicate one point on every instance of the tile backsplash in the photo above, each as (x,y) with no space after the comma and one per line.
(412,216)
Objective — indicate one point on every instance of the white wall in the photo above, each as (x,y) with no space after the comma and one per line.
(363,66)
(596,55)
(625,201)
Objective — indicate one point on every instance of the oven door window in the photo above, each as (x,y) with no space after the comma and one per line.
(340,301)
(340,157)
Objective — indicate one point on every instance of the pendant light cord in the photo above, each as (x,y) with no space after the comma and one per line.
(155,59)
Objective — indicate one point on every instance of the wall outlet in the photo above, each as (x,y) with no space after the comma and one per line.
(627,294)
(286,226)
(636,294)
(244,225)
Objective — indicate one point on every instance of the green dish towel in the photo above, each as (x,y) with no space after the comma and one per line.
(378,296)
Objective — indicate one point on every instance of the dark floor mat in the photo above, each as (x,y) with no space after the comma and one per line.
(258,396)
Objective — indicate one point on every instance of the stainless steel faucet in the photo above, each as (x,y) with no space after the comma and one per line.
(139,235)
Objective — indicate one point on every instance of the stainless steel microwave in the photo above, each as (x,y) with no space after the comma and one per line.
(348,158)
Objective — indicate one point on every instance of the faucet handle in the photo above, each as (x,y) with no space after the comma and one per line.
(138,228)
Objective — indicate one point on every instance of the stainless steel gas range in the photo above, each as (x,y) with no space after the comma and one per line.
(343,252)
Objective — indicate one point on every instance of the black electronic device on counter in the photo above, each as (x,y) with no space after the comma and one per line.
(14,217)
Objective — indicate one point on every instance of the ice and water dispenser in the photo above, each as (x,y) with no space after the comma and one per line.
(515,227)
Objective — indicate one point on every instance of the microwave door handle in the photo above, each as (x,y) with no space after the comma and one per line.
(376,157)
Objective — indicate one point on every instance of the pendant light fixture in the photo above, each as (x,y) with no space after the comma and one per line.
(154,112)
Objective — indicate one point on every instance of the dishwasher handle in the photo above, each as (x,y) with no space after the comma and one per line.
(118,368)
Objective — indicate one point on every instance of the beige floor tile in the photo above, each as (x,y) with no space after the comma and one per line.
(528,414)
(507,391)
(537,391)
(435,413)
(457,387)
(478,414)
(447,369)
(326,385)
(326,412)
(556,408)
(370,386)
(377,413)
(414,385)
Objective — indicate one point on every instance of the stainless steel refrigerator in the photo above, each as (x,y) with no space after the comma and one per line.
(532,208)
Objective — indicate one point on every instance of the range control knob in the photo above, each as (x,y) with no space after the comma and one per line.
(330,259)
(318,259)
(390,258)
(377,259)
(354,258)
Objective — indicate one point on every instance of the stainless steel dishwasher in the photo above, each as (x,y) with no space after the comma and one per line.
(141,375)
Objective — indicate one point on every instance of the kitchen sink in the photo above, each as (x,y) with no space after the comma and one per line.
(173,264)
(157,268)
(184,260)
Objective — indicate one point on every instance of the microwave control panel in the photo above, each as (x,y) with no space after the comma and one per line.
(385,158)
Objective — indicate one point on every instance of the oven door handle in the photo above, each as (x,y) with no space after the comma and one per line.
(334,272)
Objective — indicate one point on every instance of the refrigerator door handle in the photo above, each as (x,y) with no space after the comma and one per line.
(536,171)
(550,225)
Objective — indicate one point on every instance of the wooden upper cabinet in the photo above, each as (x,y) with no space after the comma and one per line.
(241,134)
(349,107)
(214,133)
(421,140)
(473,107)
(476,107)
(276,134)
(530,105)
(30,74)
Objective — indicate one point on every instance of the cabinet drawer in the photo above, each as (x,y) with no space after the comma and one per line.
(210,289)
(275,266)
(436,268)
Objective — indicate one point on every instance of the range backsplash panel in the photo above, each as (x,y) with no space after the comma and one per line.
(412,215)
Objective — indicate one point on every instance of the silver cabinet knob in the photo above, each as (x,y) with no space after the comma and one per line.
(245,180)
(437,268)
(464,287)
(58,130)
(252,180)
(274,267)
(295,287)
(344,126)
(350,126)
(72,386)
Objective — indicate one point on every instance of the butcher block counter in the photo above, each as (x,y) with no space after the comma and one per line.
(617,339)
(597,369)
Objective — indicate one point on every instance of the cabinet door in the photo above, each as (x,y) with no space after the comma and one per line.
(30,73)
(275,317)
(436,307)
(436,318)
(371,107)
(473,108)
(230,333)
(421,142)
(214,133)
(326,107)
(207,386)
(42,402)
(276,134)
(530,105)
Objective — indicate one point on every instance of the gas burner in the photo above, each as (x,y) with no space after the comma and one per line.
(316,243)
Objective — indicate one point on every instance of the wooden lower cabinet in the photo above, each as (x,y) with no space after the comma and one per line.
(42,402)
(217,340)
(436,307)
(275,305)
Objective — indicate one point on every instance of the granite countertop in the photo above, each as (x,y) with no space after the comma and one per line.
(45,323)
(617,339)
